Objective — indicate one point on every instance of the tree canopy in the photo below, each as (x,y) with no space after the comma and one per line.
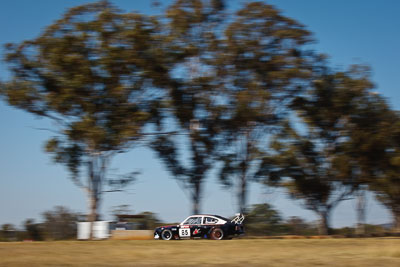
(93,72)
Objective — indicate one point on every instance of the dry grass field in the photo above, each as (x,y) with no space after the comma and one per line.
(243,252)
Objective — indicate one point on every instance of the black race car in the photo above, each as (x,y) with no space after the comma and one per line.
(202,226)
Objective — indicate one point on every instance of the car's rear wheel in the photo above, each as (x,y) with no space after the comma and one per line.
(217,234)
(166,234)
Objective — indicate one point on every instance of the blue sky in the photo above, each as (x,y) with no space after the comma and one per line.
(357,31)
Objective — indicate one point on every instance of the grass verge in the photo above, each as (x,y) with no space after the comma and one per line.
(243,252)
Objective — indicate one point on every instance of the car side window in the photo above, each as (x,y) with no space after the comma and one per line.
(193,220)
(209,220)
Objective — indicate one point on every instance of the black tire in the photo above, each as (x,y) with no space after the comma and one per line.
(166,234)
(217,234)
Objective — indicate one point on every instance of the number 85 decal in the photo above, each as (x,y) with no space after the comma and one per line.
(184,232)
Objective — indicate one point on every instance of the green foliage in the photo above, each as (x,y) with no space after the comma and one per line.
(297,226)
(59,223)
(370,230)
(387,184)
(343,110)
(120,209)
(143,221)
(262,219)
(8,232)
(87,71)
(149,221)
(33,230)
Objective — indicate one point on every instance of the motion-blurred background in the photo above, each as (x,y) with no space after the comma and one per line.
(283,110)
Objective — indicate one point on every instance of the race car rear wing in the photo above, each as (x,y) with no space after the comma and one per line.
(238,219)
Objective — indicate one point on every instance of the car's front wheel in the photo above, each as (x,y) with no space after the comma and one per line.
(217,234)
(166,234)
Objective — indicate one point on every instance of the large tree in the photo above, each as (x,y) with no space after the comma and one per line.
(341,150)
(387,183)
(303,164)
(93,72)
(192,107)
(262,66)
(369,146)
(349,115)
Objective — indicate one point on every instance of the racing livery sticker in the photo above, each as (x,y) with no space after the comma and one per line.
(184,232)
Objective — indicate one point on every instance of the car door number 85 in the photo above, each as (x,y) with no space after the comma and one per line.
(184,232)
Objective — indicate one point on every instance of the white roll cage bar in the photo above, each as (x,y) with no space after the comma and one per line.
(238,219)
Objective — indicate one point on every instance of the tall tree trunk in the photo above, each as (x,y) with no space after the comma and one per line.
(243,176)
(243,193)
(92,194)
(92,216)
(361,211)
(323,225)
(196,198)
(396,222)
